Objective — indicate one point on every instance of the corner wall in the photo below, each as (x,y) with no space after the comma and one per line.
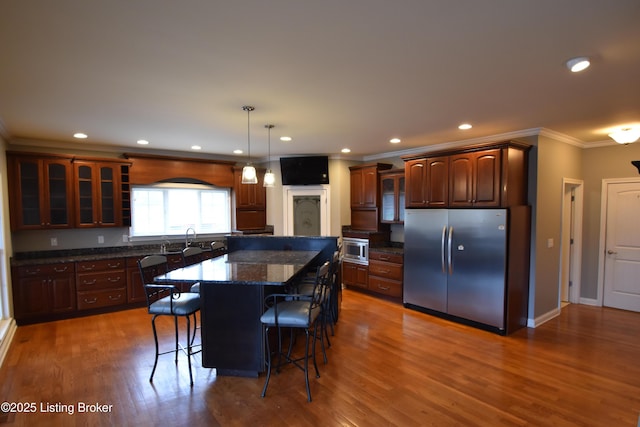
(600,163)
(555,160)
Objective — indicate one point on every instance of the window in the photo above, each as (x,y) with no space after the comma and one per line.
(169,209)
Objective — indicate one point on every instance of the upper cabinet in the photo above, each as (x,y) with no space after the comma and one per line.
(251,202)
(364,186)
(427,182)
(98,193)
(365,196)
(491,175)
(50,191)
(40,190)
(474,179)
(392,188)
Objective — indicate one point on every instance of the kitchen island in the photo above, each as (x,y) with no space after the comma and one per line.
(232,291)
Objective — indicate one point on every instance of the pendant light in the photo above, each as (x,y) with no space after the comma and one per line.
(269,177)
(249,172)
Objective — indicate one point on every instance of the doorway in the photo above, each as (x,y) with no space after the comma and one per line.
(306,210)
(620,244)
(571,242)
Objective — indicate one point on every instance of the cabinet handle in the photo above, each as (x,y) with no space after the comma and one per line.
(384,288)
(384,258)
(89,268)
(93,301)
(58,270)
(89,282)
(112,298)
(111,279)
(383,271)
(116,265)
(32,272)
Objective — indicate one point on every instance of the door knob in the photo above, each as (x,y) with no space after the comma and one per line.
(610,252)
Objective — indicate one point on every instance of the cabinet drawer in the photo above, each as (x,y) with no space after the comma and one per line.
(392,288)
(101,280)
(385,256)
(103,298)
(385,269)
(101,265)
(44,269)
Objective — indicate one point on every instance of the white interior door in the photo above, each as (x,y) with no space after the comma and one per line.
(622,247)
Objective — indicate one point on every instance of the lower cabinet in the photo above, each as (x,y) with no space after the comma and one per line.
(385,273)
(53,291)
(101,283)
(355,274)
(42,290)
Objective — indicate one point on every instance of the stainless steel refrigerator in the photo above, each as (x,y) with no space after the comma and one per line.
(459,263)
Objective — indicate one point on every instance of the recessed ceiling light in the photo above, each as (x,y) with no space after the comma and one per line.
(465,126)
(237,151)
(394,140)
(346,150)
(578,64)
(80,135)
(196,147)
(285,138)
(143,142)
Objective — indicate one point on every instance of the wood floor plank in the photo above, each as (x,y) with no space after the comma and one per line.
(387,366)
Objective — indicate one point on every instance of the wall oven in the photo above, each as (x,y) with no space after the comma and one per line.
(355,250)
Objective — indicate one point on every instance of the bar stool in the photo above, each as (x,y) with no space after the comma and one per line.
(166,300)
(295,312)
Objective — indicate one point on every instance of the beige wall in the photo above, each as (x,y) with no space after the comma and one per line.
(598,164)
(555,160)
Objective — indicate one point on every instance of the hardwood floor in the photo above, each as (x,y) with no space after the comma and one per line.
(387,366)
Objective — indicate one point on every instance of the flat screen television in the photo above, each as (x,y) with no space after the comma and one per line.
(305,170)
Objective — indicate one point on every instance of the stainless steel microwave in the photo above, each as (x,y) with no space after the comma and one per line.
(355,250)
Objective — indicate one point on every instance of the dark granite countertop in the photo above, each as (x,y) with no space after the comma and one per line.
(90,254)
(244,267)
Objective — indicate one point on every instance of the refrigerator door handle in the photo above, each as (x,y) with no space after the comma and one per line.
(442,251)
(450,250)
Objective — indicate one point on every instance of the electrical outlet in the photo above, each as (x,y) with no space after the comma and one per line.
(550,243)
(125,238)
(54,241)
(100,239)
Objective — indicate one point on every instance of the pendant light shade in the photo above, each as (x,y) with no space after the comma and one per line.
(269,177)
(249,175)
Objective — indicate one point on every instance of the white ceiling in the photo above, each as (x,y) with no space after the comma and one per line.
(330,74)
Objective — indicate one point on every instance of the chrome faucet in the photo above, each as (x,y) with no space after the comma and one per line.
(188,243)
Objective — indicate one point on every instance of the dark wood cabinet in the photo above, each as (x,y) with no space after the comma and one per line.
(364,186)
(489,175)
(355,275)
(98,194)
(251,202)
(42,290)
(474,179)
(101,283)
(365,196)
(385,273)
(40,190)
(392,196)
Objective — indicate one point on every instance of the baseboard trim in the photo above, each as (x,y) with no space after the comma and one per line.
(589,301)
(534,323)
(7,331)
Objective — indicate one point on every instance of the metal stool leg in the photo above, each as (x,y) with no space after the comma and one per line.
(155,338)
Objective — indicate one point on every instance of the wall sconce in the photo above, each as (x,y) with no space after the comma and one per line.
(625,135)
